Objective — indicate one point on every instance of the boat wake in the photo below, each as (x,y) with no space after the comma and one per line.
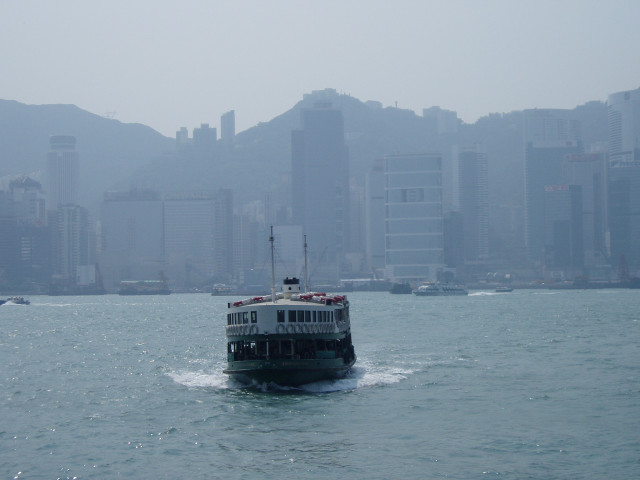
(482,294)
(358,377)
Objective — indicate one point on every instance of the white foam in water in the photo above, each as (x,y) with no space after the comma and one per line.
(482,294)
(201,379)
(358,377)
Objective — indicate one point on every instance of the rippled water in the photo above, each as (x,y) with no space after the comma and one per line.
(529,384)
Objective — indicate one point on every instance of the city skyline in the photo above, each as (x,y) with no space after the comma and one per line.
(170,65)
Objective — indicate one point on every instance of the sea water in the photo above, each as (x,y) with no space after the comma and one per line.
(529,384)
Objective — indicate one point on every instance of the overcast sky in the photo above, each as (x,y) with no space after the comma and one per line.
(169,64)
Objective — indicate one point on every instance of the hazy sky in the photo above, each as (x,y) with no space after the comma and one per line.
(168,64)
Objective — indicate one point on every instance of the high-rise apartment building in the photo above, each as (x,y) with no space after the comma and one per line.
(320,187)
(473,194)
(624,176)
(413,217)
(549,136)
(62,171)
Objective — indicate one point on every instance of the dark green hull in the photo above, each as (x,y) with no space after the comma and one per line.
(288,372)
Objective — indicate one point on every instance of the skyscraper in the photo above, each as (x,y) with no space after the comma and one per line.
(62,171)
(374,216)
(413,217)
(563,228)
(587,170)
(624,176)
(473,191)
(320,186)
(549,136)
(228,127)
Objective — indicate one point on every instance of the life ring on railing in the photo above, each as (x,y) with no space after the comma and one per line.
(254,329)
(291,328)
(312,328)
(280,329)
(305,328)
(299,328)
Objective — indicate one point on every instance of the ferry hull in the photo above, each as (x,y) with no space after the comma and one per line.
(287,372)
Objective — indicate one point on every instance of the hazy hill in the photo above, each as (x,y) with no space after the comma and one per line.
(120,155)
(109,150)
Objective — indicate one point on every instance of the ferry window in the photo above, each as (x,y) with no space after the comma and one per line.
(331,317)
(338,315)
(228,319)
(307,316)
(300,315)
(292,315)
(254,317)
(314,316)
(280,316)
(245,317)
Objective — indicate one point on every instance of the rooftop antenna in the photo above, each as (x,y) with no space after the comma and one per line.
(306,271)
(273,270)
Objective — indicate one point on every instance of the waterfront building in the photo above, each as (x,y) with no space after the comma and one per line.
(320,187)
(550,134)
(563,229)
(473,194)
(374,216)
(132,225)
(624,177)
(414,247)
(588,170)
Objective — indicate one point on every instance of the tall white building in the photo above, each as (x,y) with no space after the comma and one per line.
(473,194)
(624,178)
(62,171)
(414,245)
(374,216)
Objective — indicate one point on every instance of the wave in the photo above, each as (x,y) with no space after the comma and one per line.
(358,377)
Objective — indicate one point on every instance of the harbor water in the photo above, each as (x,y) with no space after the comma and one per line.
(533,384)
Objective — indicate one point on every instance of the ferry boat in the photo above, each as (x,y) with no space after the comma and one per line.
(400,288)
(290,338)
(436,289)
(16,301)
(504,289)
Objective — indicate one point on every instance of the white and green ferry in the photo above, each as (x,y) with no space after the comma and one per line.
(289,338)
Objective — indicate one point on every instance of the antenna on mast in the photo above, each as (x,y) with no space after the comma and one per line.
(306,276)
(273,269)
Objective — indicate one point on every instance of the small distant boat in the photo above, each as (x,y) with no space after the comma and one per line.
(16,301)
(504,289)
(437,289)
(400,288)
(143,287)
(222,289)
